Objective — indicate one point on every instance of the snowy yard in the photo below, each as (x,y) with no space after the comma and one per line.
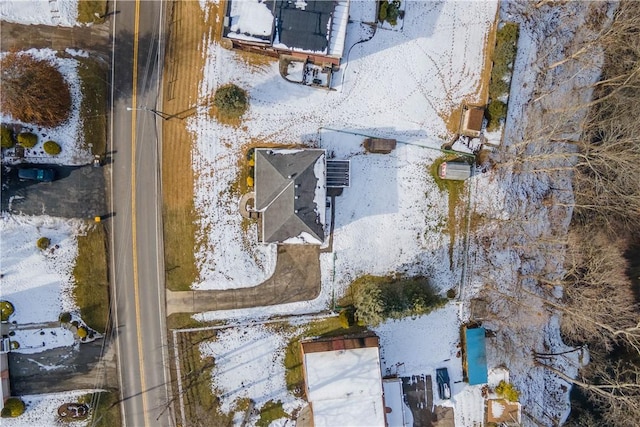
(403,84)
(38,282)
(45,12)
(42,410)
(400,84)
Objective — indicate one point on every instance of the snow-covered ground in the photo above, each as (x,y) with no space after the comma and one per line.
(69,135)
(39,283)
(33,278)
(526,201)
(400,84)
(46,12)
(42,410)
(249,363)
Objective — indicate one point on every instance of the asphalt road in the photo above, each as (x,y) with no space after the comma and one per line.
(136,228)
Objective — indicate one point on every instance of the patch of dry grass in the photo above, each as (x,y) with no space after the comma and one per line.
(91,290)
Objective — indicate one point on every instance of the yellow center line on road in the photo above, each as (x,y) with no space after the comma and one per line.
(134,235)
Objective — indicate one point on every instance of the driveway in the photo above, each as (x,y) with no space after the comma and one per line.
(65,368)
(77,192)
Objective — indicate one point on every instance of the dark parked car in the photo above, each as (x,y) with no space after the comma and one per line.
(442,378)
(36,174)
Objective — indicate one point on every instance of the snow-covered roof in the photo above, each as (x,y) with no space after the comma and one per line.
(394,404)
(344,386)
(251,18)
(315,27)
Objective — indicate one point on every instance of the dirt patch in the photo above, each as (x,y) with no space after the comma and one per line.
(443,416)
(255,60)
(91,290)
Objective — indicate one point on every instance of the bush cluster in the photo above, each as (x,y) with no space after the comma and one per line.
(6,310)
(507,391)
(504,56)
(27,139)
(496,111)
(7,138)
(43,243)
(379,298)
(389,11)
(82,332)
(51,148)
(231,101)
(347,318)
(65,317)
(13,407)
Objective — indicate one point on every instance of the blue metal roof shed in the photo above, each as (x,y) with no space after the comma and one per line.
(476,356)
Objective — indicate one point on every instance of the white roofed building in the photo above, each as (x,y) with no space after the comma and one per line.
(343,381)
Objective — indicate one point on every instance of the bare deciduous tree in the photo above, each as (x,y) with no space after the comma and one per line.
(614,387)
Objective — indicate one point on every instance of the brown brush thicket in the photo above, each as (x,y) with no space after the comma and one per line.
(599,305)
(33,90)
(599,308)
(607,182)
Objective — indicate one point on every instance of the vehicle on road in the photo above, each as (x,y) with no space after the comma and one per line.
(444,388)
(36,174)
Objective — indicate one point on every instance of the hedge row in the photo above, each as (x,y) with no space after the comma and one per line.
(504,56)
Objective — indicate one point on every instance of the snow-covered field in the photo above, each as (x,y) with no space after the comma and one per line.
(46,12)
(38,283)
(399,84)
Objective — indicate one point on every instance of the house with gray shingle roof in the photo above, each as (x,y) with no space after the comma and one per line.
(311,29)
(290,194)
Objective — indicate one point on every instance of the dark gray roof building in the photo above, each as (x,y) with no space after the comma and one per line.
(290,193)
(311,29)
(305,29)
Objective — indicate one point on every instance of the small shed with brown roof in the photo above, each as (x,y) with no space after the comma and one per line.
(471,120)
